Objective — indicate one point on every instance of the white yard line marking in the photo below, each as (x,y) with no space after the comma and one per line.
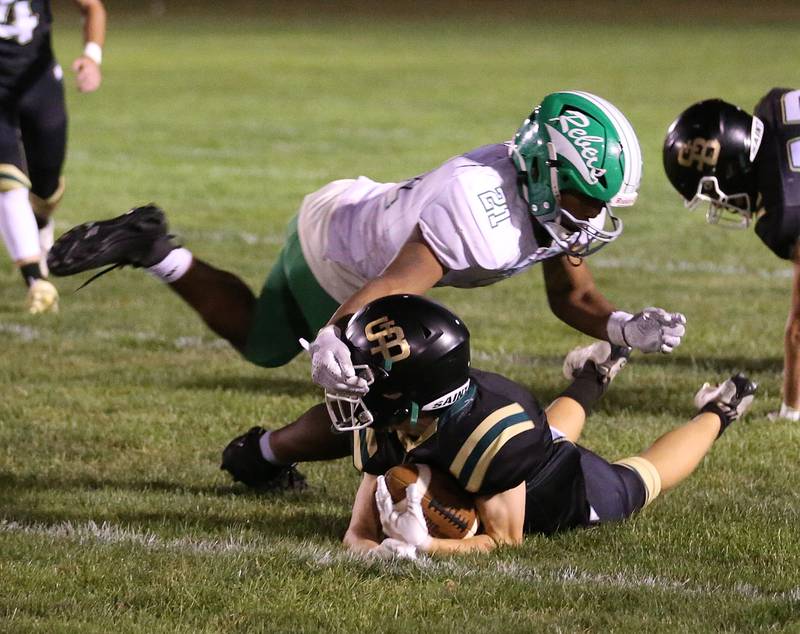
(25,333)
(107,533)
(684,266)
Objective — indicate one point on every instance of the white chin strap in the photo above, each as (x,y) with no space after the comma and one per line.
(729,212)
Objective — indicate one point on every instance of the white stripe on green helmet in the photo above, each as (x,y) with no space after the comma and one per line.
(632,153)
(579,142)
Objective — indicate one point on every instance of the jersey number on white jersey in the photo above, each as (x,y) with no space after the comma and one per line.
(495,205)
(17,22)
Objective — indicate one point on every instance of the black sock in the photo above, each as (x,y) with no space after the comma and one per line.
(31,272)
(725,418)
(587,387)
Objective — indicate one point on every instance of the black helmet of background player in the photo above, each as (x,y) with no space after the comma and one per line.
(414,354)
(709,156)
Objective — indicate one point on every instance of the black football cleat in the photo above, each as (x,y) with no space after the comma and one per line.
(242,458)
(729,400)
(137,238)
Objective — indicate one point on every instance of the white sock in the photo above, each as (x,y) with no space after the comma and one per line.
(18,225)
(266,450)
(173,267)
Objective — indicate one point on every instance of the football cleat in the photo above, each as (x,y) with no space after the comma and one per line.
(137,238)
(729,400)
(242,458)
(42,297)
(608,360)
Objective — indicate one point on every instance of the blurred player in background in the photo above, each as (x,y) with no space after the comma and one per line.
(746,169)
(547,196)
(426,405)
(33,131)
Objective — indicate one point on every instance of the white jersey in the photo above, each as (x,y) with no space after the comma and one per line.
(468,210)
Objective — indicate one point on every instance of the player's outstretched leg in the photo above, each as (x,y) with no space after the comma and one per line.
(676,454)
(140,238)
(590,368)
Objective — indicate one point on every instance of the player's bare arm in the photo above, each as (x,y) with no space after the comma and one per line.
(364,532)
(87,65)
(573,296)
(502,517)
(414,270)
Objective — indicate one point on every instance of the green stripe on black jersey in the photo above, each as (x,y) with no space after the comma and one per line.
(485,442)
(365,445)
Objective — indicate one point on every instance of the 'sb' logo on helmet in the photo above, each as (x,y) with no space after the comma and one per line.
(391,340)
(704,152)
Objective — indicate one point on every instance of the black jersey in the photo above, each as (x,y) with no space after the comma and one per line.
(492,439)
(778,165)
(25,48)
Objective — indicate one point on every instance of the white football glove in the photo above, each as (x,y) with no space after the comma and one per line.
(407,526)
(331,366)
(608,359)
(391,548)
(651,330)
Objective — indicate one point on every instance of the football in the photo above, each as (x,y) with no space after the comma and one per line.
(449,510)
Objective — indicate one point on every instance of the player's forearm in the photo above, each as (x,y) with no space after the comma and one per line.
(381,287)
(478,543)
(586,310)
(359,543)
(94,25)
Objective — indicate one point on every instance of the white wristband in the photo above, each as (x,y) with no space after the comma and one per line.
(616,321)
(93,51)
(789,413)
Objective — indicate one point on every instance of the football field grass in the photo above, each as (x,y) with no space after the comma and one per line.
(114,515)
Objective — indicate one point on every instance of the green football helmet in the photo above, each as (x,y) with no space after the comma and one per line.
(579,142)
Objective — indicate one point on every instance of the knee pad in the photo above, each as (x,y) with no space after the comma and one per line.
(647,472)
(12,177)
(44,207)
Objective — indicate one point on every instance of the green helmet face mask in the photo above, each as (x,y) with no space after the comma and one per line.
(579,142)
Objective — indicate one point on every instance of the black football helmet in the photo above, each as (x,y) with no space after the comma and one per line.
(413,353)
(709,156)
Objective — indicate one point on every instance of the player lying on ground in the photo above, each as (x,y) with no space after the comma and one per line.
(547,196)
(747,167)
(425,405)
(33,132)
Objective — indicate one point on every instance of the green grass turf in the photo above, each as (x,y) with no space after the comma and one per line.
(113,513)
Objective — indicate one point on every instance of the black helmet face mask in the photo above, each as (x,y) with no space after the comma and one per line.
(347,412)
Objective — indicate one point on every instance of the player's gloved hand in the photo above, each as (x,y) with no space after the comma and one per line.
(331,366)
(785,413)
(391,548)
(651,330)
(408,526)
